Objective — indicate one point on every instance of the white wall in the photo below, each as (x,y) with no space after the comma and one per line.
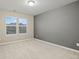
(5,37)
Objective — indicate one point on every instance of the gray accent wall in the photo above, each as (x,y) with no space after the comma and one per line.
(59,26)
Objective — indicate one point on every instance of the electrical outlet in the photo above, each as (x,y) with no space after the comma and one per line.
(77,44)
(37,36)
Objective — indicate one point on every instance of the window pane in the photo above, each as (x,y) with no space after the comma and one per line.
(22,21)
(22,29)
(22,25)
(11,29)
(10,20)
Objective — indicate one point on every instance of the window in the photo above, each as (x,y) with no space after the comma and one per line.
(22,25)
(14,23)
(10,25)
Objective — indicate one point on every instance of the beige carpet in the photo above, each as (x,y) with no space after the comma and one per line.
(35,49)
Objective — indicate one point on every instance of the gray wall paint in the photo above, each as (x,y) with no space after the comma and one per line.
(60,26)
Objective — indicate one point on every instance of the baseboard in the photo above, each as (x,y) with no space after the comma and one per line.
(10,42)
(70,49)
(5,43)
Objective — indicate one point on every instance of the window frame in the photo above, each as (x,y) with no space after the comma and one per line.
(22,25)
(17,27)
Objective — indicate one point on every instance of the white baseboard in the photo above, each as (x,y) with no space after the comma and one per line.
(5,43)
(58,46)
(10,42)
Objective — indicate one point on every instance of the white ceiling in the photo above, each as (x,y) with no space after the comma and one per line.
(41,6)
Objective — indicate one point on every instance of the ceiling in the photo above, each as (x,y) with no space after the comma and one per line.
(40,7)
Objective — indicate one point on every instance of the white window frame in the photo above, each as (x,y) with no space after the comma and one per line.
(17,27)
(22,25)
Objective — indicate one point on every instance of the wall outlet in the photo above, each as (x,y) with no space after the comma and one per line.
(77,44)
(37,36)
